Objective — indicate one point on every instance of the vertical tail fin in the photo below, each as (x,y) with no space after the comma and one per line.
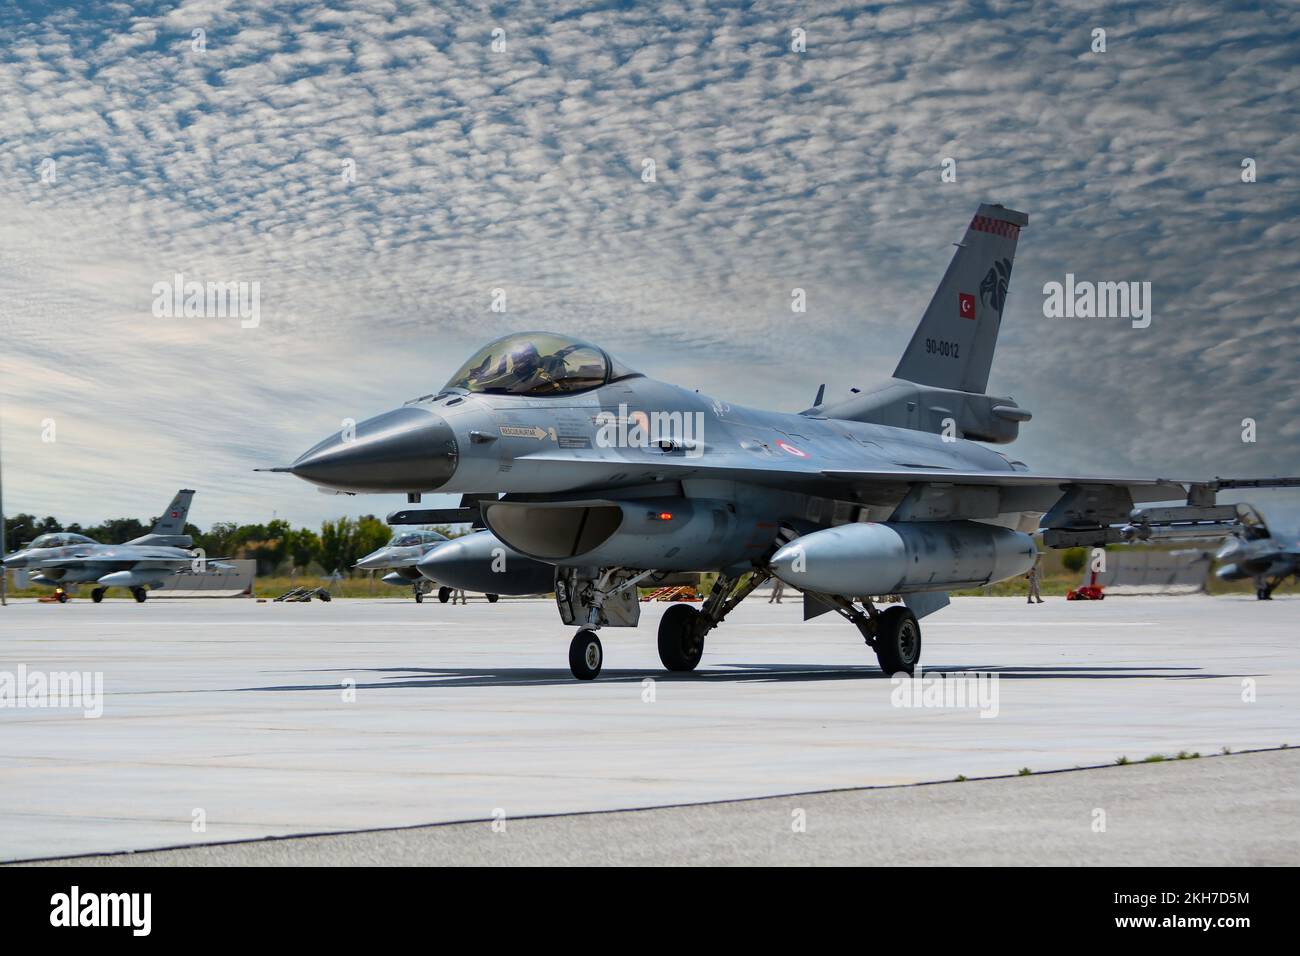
(173,519)
(953,345)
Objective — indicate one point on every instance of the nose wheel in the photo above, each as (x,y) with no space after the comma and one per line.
(139,594)
(585,655)
(97,595)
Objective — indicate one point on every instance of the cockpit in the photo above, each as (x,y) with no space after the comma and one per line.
(410,539)
(537,364)
(60,540)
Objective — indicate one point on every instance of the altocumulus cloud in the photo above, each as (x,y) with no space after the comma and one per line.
(222,155)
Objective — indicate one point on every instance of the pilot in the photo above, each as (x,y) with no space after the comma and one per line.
(526,364)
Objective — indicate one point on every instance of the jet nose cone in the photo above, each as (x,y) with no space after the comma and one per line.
(407,449)
(375,559)
(1229,548)
(16,560)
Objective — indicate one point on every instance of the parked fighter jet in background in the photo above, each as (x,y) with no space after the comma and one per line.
(62,559)
(616,479)
(477,561)
(399,558)
(1254,552)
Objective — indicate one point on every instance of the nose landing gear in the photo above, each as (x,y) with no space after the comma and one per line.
(585,655)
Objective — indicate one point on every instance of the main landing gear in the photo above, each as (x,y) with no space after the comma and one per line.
(682,629)
(1264,588)
(894,633)
(139,594)
(97,595)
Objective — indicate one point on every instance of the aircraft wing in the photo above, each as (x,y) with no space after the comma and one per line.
(79,561)
(803,476)
(1076,509)
(1149,489)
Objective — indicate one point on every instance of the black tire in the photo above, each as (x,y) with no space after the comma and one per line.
(493,598)
(444,595)
(898,640)
(681,638)
(586,655)
(63,597)
(97,595)
(419,597)
(324,596)
(140,594)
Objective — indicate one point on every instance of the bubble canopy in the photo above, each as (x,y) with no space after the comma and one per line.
(537,364)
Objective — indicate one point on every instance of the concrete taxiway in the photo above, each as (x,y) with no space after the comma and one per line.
(263,720)
(1236,810)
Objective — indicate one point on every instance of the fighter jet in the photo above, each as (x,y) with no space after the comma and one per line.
(477,562)
(1256,553)
(63,559)
(400,556)
(574,459)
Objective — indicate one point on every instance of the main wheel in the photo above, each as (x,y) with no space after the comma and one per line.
(585,655)
(419,597)
(681,638)
(97,595)
(898,640)
(444,595)
(493,598)
(324,596)
(139,594)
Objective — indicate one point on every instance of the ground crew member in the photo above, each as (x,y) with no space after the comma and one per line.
(1032,577)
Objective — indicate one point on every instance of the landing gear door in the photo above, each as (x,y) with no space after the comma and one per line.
(575,596)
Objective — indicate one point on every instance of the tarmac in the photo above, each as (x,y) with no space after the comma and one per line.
(228,720)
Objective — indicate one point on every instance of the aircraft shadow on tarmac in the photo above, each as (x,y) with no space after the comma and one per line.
(401,678)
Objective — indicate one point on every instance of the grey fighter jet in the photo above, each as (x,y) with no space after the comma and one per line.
(399,558)
(1255,553)
(62,560)
(575,460)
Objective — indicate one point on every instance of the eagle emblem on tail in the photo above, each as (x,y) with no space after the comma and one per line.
(993,290)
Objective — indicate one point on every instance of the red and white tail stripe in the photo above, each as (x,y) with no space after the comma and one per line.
(1008,230)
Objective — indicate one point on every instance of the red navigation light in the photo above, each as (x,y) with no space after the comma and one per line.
(665,516)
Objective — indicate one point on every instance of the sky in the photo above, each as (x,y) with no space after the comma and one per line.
(379,169)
